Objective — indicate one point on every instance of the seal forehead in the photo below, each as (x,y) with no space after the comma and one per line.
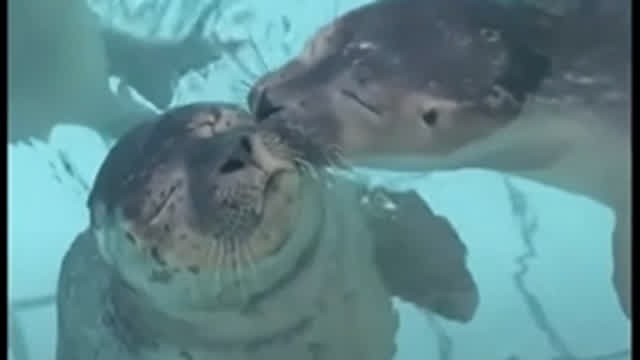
(418,43)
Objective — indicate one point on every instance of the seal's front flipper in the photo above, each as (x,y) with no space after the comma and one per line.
(420,256)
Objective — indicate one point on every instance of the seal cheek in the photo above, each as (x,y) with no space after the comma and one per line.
(279,213)
(430,124)
(103,245)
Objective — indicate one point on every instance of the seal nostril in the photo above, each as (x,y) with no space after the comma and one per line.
(239,158)
(265,106)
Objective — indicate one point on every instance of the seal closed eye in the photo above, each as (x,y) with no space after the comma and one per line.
(208,238)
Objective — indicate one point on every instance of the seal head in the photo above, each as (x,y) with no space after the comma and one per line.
(187,207)
(407,76)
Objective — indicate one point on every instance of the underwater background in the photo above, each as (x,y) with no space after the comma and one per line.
(541,257)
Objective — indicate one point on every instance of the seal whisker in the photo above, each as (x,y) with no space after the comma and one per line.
(237,274)
(209,252)
(250,270)
(307,167)
(218,269)
(251,267)
(328,179)
(337,160)
(337,151)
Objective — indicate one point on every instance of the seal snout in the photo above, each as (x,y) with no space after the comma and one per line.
(240,157)
(251,151)
(265,158)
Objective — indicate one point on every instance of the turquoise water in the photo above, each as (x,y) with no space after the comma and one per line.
(545,289)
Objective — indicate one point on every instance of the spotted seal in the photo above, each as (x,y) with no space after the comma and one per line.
(424,85)
(207,239)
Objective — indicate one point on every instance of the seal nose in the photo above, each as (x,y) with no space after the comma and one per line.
(241,156)
(263,105)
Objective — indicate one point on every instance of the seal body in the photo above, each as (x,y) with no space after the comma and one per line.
(205,242)
(334,307)
(513,88)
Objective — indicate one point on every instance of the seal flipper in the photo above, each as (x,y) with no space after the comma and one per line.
(420,256)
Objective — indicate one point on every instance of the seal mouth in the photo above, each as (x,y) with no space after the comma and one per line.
(353,97)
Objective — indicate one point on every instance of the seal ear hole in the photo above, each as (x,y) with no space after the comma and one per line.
(430,117)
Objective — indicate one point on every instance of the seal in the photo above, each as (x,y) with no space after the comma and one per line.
(58,72)
(444,85)
(209,239)
(60,60)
